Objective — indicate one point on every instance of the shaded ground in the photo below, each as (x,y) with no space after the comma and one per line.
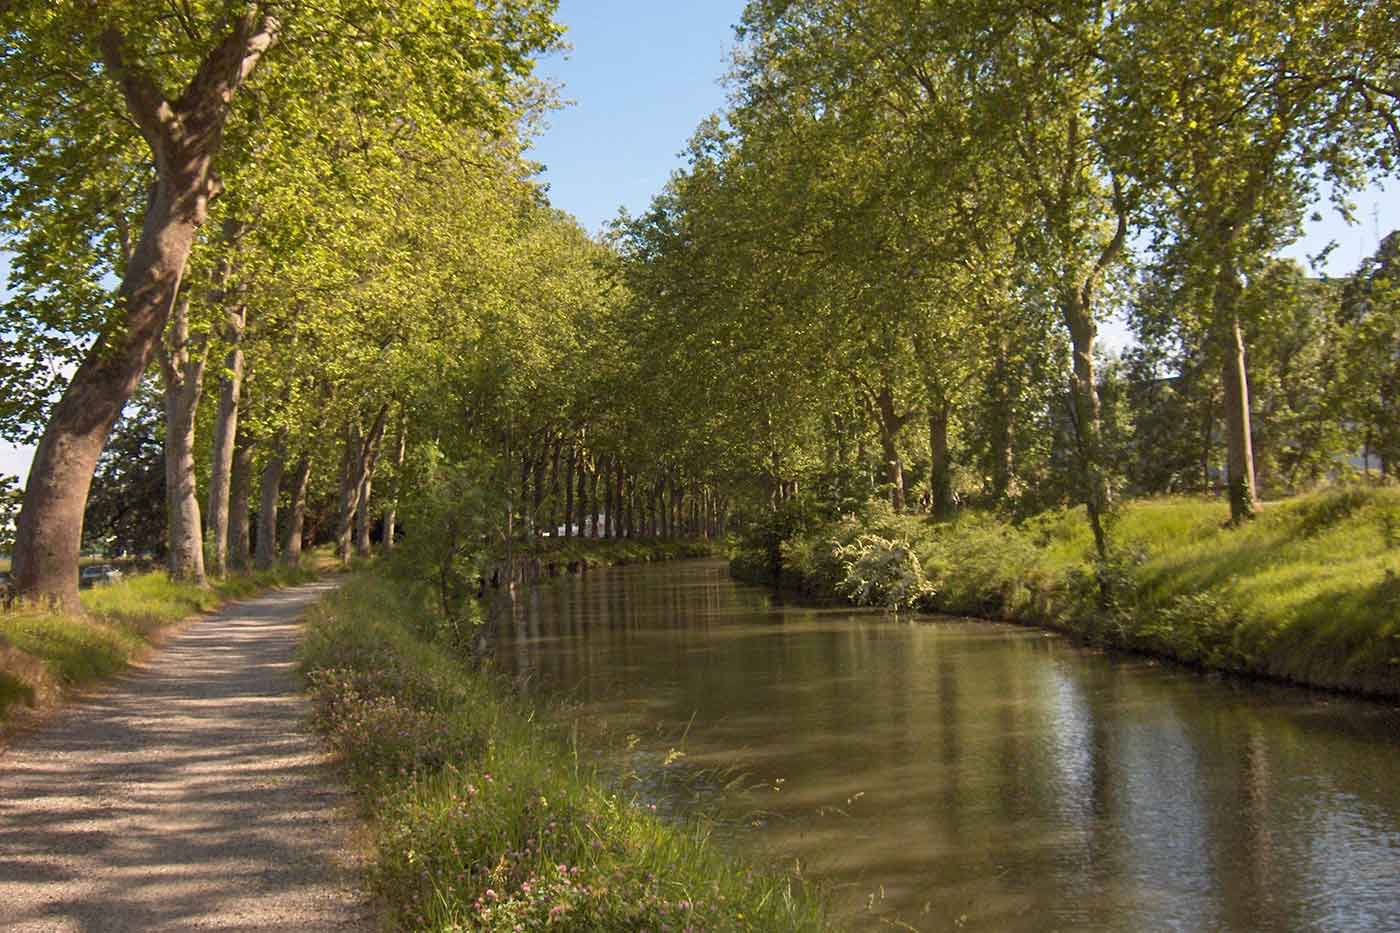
(190,795)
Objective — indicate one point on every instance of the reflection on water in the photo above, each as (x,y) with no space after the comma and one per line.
(959,775)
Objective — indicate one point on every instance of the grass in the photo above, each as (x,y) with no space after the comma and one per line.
(44,653)
(484,817)
(1307,592)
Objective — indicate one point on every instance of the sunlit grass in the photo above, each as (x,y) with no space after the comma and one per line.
(485,818)
(1307,591)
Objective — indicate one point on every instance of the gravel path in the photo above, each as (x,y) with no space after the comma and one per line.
(189,795)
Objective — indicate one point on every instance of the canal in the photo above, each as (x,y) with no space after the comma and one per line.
(946,774)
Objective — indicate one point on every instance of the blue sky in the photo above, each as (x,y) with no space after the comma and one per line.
(642,76)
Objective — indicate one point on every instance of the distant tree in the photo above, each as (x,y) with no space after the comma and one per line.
(1371,379)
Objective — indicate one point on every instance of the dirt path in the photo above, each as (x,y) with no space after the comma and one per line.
(189,795)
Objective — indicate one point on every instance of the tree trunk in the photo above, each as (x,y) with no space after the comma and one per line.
(358,467)
(1003,426)
(581,497)
(364,519)
(1088,422)
(569,495)
(609,504)
(240,531)
(296,513)
(182,371)
(349,493)
(184,136)
(271,491)
(940,464)
(890,426)
(1235,382)
(593,504)
(391,508)
(230,395)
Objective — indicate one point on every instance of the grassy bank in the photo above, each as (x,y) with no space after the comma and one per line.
(44,653)
(604,552)
(1308,592)
(484,818)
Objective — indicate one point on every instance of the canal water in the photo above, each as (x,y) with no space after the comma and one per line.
(946,774)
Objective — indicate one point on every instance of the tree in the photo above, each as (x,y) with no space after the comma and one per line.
(445,64)
(1233,131)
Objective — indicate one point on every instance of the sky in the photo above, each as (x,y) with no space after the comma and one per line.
(642,75)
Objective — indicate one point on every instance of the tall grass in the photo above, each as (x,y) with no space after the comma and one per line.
(42,653)
(486,819)
(1307,592)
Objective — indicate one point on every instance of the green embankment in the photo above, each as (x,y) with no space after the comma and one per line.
(1308,592)
(483,817)
(43,653)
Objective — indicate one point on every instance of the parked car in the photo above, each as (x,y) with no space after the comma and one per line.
(98,575)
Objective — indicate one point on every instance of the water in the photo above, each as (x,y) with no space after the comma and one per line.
(962,775)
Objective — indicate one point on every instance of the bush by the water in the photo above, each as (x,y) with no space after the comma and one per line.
(1306,592)
(483,817)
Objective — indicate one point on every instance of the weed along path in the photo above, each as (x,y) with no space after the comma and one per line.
(188,795)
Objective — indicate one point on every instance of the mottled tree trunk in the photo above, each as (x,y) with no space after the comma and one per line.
(270,493)
(184,136)
(1088,420)
(360,449)
(594,507)
(581,496)
(364,518)
(940,464)
(240,529)
(391,508)
(569,494)
(1234,380)
(182,371)
(296,512)
(230,397)
(891,424)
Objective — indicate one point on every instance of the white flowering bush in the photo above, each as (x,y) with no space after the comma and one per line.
(883,572)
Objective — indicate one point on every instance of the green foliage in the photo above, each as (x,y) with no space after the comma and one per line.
(11,495)
(454,520)
(482,818)
(126,504)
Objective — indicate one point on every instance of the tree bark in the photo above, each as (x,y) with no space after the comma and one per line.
(230,396)
(364,519)
(240,531)
(594,507)
(271,491)
(184,136)
(569,494)
(296,513)
(391,508)
(1235,382)
(891,424)
(356,470)
(940,464)
(1088,420)
(182,371)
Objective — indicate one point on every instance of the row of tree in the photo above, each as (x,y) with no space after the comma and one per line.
(920,214)
(306,239)
(312,231)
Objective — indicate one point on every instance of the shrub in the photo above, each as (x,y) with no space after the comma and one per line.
(882,572)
